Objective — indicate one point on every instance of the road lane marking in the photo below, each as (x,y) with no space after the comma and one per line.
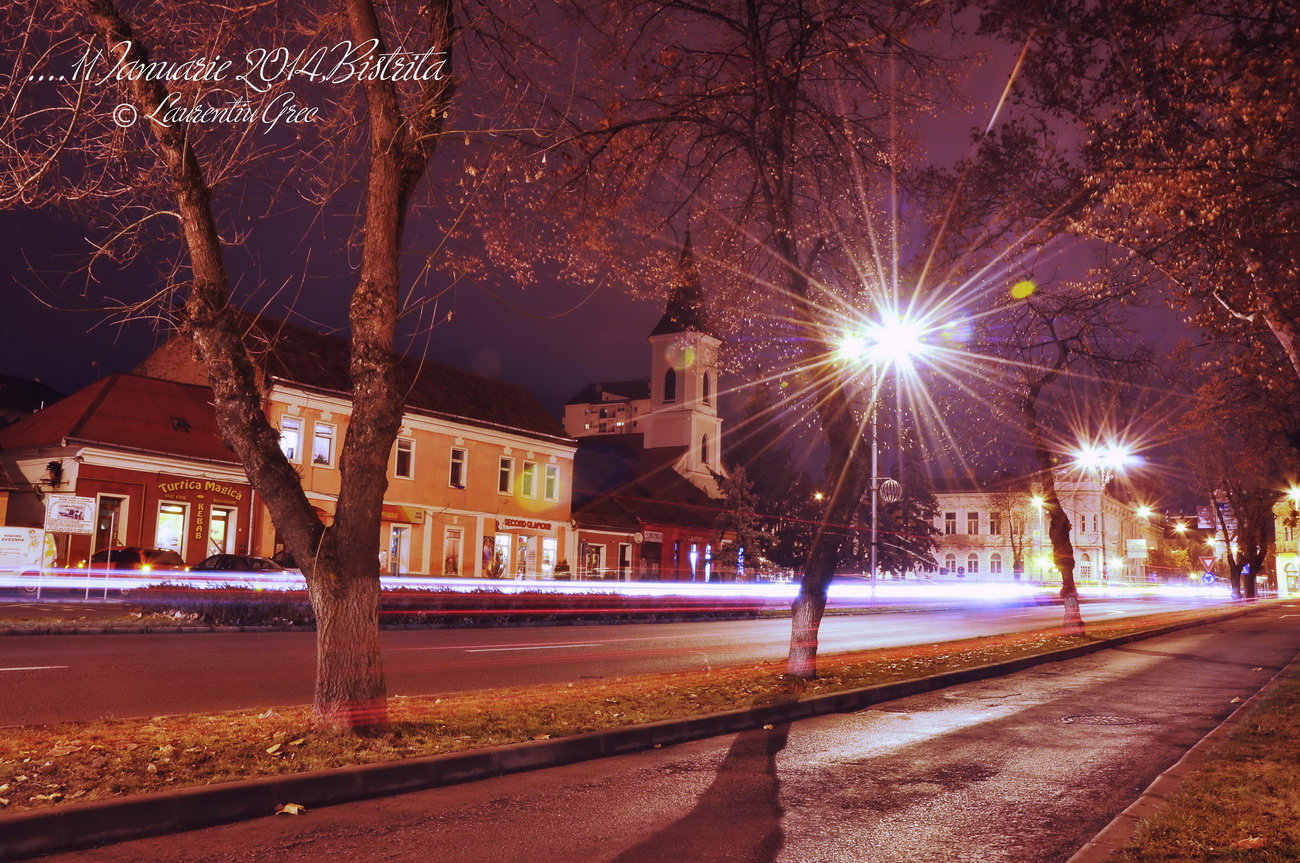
(533,647)
(33,668)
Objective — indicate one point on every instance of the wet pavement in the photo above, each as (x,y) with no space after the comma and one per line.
(1020,768)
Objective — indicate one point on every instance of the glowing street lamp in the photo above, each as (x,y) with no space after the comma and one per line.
(1104,461)
(1040,504)
(893,341)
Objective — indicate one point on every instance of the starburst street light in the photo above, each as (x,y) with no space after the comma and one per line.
(893,341)
(1103,461)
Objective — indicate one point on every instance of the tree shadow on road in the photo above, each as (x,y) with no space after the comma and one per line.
(736,819)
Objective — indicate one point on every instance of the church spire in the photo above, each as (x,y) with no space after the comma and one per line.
(684,312)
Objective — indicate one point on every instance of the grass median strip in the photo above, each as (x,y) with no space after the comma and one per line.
(50,765)
(1242,803)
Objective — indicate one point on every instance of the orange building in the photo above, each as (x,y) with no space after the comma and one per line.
(480,477)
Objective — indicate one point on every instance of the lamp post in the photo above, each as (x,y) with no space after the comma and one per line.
(1104,462)
(894,340)
(1039,504)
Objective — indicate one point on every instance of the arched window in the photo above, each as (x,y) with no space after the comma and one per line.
(995,564)
(950,562)
(670,386)
(1085,566)
(704,449)
(972,563)
(708,388)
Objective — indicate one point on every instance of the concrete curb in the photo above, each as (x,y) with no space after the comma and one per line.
(1120,830)
(45,831)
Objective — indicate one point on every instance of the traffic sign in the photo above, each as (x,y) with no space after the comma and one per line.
(1208,578)
(1208,563)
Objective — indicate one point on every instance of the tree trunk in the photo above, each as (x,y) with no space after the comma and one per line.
(807,611)
(1058,523)
(350,692)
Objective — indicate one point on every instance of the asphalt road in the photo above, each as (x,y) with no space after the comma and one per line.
(56,678)
(1019,769)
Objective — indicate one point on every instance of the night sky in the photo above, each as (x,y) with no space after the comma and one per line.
(552,339)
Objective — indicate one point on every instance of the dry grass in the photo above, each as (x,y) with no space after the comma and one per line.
(1242,803)
(54,764)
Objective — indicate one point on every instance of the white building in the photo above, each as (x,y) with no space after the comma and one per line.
(984,527)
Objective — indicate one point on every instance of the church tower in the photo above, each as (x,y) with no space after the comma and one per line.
(684,380)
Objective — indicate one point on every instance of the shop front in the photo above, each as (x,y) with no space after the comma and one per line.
(193,516)
(403,544)
(522,548)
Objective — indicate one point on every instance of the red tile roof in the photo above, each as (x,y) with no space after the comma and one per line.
(128,412)
(617,477)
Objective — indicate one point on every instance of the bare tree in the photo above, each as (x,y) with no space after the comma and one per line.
(754,119)
(1191,140)
(373,87)
(1010,507)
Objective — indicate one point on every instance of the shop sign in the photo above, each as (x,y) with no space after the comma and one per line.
(402,514)
(654,536)
(1137,549)
(517,524)
(174,488)
(67,513)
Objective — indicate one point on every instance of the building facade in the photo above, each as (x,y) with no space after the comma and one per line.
(480,476)
(646,502)
(984,528)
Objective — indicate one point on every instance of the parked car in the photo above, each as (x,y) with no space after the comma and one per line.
(246,570)
(136,558)
(237,563)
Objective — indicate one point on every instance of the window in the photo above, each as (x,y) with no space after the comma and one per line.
(506,475)
(972,523)
(322,444)
(170,532)
(670,386)
(528,479)
(456,476)
(995,564)
(949,523)
(1085,566)
(704,449)
(404,459)
(551,489)
(950,562)
(708,388)
(291,438)
(995,523)
(972,563)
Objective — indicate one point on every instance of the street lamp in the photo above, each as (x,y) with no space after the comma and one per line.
(894,341)
(1038,503)
(1104,462)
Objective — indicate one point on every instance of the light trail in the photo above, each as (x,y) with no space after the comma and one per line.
(856,592)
